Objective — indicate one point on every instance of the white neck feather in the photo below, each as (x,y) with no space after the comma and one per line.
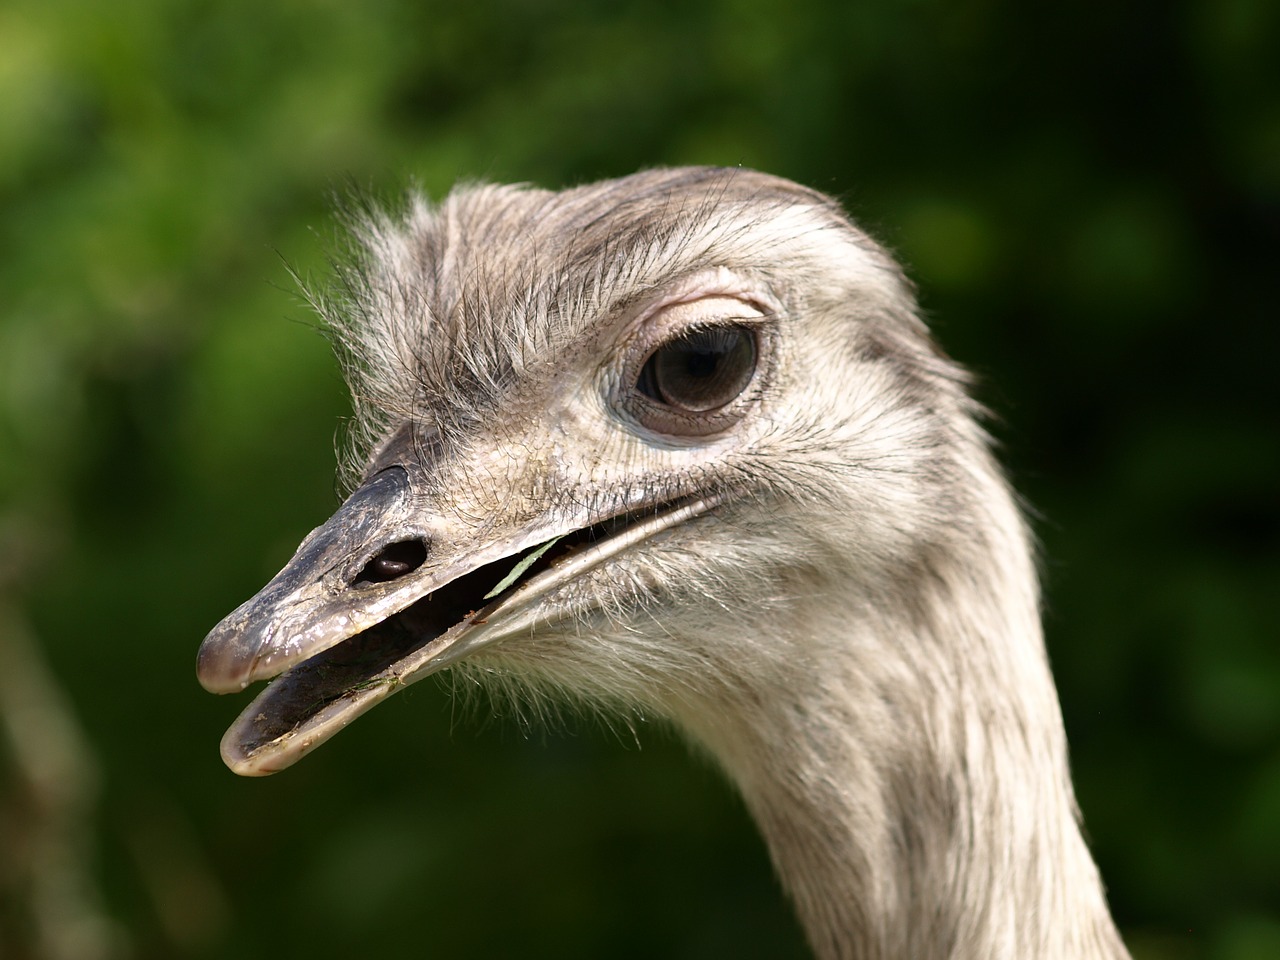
(910,776)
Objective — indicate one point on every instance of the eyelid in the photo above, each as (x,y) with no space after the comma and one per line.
(670,317)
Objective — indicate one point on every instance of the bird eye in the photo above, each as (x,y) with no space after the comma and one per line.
(702,370)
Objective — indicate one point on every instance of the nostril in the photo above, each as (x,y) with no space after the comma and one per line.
(393,562)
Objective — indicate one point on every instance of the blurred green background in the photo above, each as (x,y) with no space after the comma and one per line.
(1089,197)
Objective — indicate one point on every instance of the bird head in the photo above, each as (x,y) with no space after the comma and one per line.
(618,439)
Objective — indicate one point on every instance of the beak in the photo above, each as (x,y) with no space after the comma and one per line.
(374,599)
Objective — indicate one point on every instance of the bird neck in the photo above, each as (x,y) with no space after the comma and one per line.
(911,782)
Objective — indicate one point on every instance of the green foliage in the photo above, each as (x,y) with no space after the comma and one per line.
(1088,198)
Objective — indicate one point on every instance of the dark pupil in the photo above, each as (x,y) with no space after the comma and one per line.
(702,370)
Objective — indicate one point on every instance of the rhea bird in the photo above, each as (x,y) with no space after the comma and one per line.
(680,442)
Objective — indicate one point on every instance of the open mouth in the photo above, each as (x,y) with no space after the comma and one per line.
(371,658)
(309,702)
